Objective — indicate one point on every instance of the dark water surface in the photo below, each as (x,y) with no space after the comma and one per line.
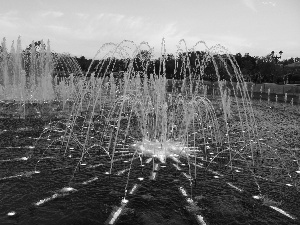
(156,202)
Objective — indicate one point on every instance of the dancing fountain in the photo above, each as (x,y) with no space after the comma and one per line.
(33,75)
(116,126)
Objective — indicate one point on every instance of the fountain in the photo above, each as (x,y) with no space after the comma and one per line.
(182,132)
(33,75)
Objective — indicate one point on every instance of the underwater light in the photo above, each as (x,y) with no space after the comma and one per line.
(134,189)
(90,181)
(116,214)
(235,187)
(176,166)
(94,166)
(67,189)
(215,172)
(124,201)
(257,197)
(200,219)
(282,212)
(174,159)
(183,191)
(42,201)
(12,213)
(191,203)
(122,172)
(153,176)
(24,158)
(187,176)
(148,160)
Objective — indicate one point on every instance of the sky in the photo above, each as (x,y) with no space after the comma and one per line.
(81,27)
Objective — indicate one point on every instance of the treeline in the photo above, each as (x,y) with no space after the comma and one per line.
(190,64)
(264,69)
(36,58)
(194,64)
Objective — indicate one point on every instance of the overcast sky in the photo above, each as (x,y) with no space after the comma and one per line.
(81,27)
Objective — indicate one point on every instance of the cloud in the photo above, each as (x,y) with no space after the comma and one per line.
(4,23)
(118,27)
(55,14)
(94,30)
(12,13)
(82,16)
(9,19)
(232,42)
(59,29)
(269,3)
(250,4)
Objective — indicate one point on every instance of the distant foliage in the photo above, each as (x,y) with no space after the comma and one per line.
(195,64)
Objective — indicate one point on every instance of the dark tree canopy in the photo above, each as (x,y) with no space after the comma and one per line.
(196,64)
